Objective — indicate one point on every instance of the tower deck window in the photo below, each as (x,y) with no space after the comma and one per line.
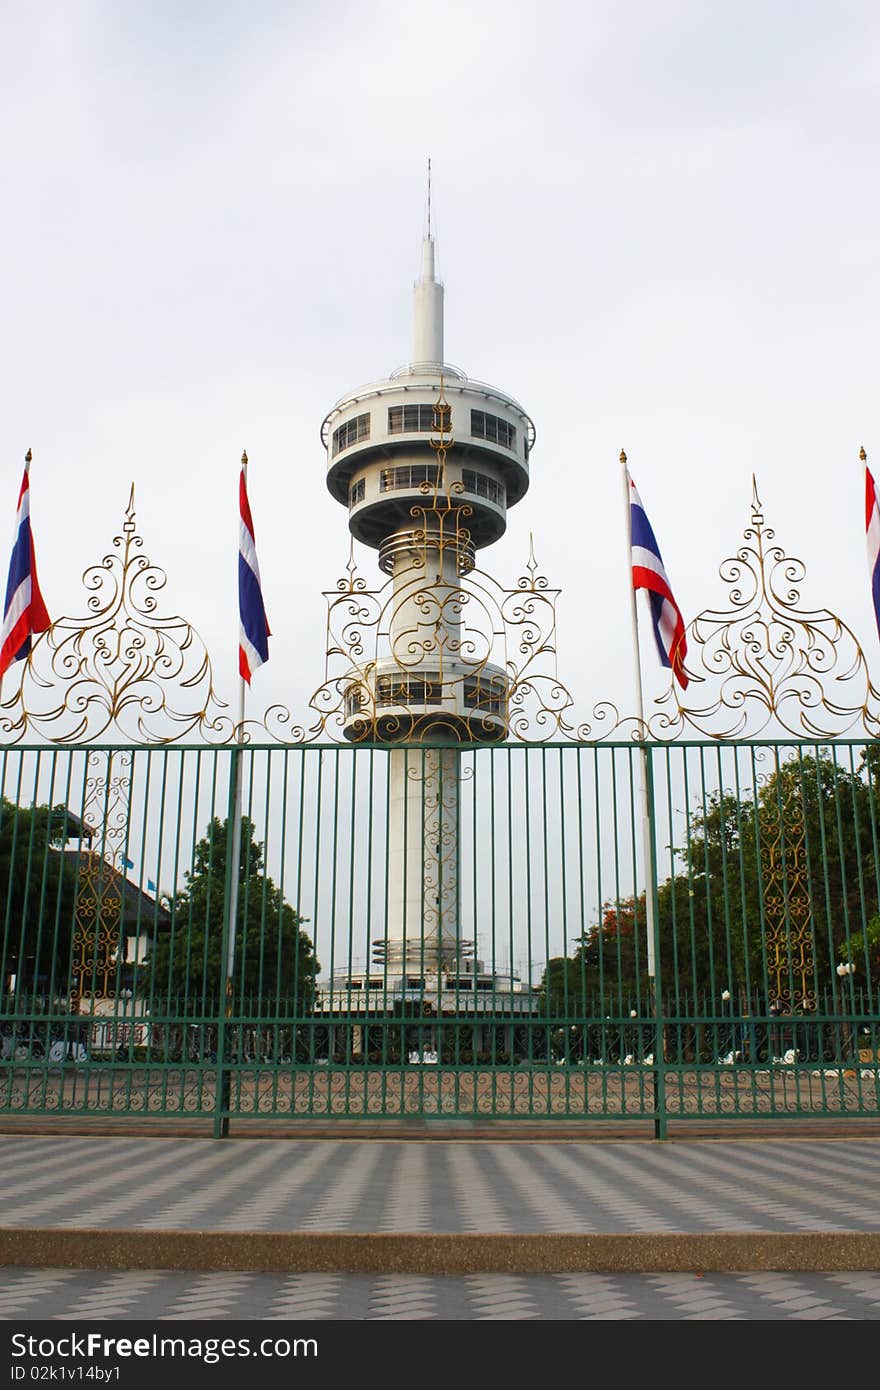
(407,690)
(486,696)
(492,427)
(410,476)
(481,486)
(356,492)
(418,419)
(351,433)
(356,700)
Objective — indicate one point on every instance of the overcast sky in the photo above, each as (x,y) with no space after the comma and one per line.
(657,224)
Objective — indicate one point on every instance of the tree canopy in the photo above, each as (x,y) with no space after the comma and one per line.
(798,852)
(38,886)
(274,959)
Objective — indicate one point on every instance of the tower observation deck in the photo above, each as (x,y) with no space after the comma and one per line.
(427,510)
(426,462)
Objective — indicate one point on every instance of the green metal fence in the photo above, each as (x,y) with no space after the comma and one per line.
(458,933)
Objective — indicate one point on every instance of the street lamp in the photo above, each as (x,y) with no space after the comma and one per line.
(726,1031)
(845,970)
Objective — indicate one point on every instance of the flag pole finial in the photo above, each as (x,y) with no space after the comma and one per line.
(862,455)
(244,458)
(28,456)
(623,456)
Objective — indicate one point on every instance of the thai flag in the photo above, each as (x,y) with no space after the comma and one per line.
(872,527)
(648,573)
(253,640)
(25,612)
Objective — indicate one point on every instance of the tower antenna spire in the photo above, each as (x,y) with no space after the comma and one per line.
(428,323)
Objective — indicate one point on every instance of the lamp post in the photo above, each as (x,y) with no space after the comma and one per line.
(845,970)
(125,1033)
(726,1015)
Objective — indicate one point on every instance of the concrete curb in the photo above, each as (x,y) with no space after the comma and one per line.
(471,1253)
(602,1130)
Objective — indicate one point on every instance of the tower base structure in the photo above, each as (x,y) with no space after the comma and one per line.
(460,1013)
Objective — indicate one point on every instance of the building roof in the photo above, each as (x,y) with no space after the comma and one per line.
(141,909)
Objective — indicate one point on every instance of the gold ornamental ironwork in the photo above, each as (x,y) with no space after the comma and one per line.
(765,662)
(124,669)
(98,934)
(787,901)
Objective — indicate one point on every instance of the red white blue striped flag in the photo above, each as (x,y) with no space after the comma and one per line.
(648,573)
(25,612)
(253,640)
(872,529)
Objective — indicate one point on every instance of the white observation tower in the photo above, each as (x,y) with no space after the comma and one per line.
(427,462)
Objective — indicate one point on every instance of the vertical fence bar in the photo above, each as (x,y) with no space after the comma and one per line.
(659,1071)
(224,995)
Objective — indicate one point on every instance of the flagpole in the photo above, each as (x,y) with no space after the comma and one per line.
(236,818)
(236,848)
(658,1072)
(27,469)
(221,1121)
(37,617)
(647,847)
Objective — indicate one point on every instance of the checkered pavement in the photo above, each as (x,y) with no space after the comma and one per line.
(450,1187)
(81,1295)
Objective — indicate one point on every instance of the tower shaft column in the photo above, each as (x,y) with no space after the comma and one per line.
(425,625)
(423,917)
(423,850)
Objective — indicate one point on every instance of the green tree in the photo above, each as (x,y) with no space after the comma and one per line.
(800,849)
(863,949)
(562,991)
(37,896)
(274,959)
(708,911)
(608,970)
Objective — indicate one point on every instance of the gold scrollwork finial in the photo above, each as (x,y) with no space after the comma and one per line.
(129,524)
(623,457)
(532,562)
(862,455)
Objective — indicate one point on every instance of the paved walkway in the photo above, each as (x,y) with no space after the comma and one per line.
(91,1295)
(429,1208)
(459,1187)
